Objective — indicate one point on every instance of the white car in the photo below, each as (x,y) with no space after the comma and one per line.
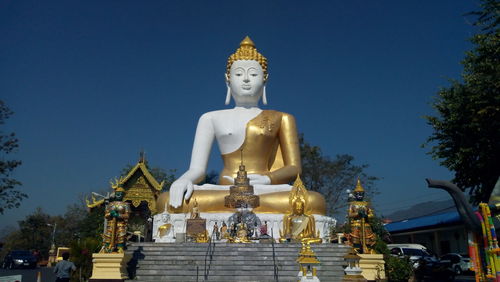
(415,252)
(459,263)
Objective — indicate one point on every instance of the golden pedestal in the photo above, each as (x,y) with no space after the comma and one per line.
(109,267)
(372,266)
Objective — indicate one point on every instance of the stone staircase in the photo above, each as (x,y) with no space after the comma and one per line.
(230,262)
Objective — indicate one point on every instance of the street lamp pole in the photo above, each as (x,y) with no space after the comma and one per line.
(53,233)
(52,252)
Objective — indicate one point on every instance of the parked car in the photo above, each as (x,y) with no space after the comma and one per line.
(425,263)
(415,252)
(18,259)
(459,263)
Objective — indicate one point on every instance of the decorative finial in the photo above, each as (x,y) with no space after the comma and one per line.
(117,182)
(359,188)
(142,156)
(247,42)
(298,182)
(298,192)
(247,51)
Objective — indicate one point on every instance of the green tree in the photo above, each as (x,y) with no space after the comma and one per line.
(33,233)
(92,225)
(210,178)
(9,196)
(35,230)
(70,226)
(467,125)
(332,177)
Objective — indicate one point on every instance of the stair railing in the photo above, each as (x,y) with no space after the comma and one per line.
(274,257)
(209,255)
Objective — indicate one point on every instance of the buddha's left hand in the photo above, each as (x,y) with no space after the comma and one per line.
(254,179)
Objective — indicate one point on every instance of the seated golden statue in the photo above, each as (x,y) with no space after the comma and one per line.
(241,234)
(267,138)
(202,237)
(195,212)
(298,226)
(224,234)
(361,237)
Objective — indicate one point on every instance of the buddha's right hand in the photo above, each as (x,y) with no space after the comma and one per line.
(177,192)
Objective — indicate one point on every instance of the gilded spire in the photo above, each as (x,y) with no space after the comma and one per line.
(247,51)
(247,42)
(142,156)
(359,188)
(241,194)
(299,191)
(307,255)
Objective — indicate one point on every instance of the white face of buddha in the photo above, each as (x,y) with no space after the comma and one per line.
(246,81)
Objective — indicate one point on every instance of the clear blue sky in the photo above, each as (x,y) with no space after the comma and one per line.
(94,82)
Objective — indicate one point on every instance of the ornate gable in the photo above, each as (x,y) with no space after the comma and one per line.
(140,186)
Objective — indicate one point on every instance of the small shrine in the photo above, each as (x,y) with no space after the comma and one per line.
(140,190)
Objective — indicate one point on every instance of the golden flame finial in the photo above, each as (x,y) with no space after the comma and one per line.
(247,42)
(359,188)
(298,183)
(299,191)
(247,51)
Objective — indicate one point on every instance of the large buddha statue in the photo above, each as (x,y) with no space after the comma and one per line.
(267,139)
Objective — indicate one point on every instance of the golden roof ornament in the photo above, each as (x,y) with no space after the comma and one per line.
(307,255)
(142,157)
(359,188)
(117,182)
(299,192)
(247,51)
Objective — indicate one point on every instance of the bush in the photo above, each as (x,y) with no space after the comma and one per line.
(81,256)
(397,269)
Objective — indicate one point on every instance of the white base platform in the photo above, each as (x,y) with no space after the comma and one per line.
(274,221)
(274,224)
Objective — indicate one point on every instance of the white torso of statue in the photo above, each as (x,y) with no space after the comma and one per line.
(229,126)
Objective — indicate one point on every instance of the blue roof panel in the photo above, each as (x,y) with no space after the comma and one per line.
(424,221)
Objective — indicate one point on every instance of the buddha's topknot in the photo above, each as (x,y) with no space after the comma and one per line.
(247,51)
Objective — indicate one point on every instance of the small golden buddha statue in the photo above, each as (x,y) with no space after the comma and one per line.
(361,237)
(224,234)
(241,234)
(202,237)
(299,226)
(195,212)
